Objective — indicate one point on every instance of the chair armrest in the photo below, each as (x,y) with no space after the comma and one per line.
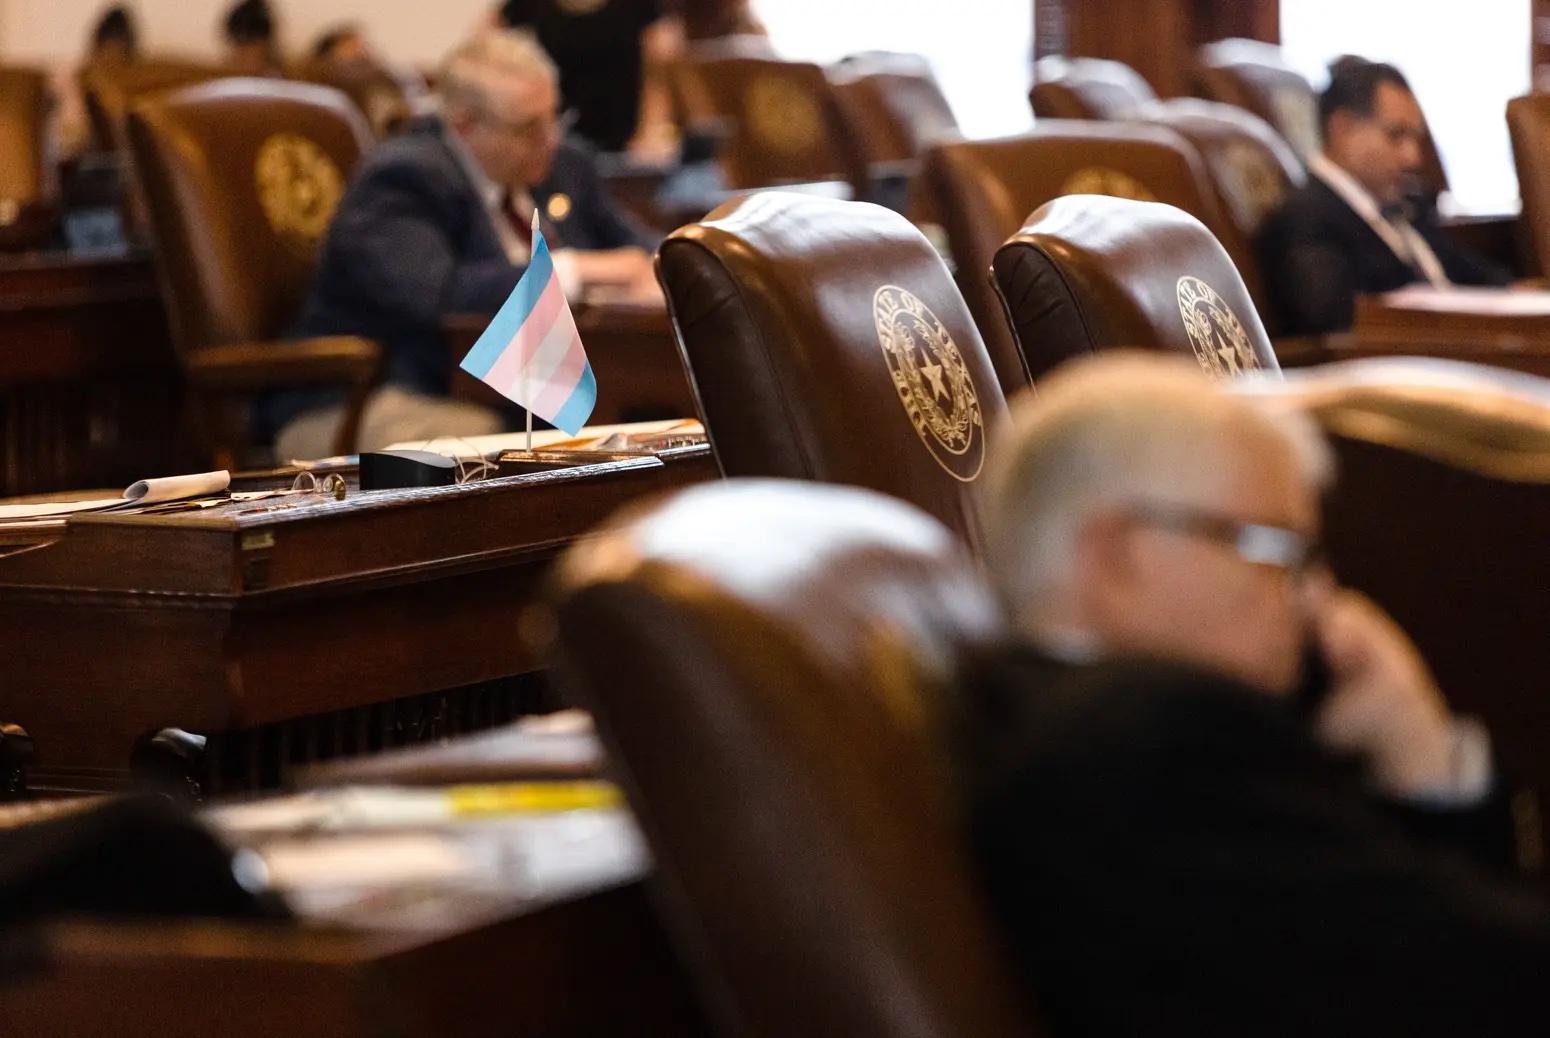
(330,360)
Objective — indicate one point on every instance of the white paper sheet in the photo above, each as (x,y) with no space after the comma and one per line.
(144,493)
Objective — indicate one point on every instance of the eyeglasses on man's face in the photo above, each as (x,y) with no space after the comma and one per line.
(1258,543)
(534,129)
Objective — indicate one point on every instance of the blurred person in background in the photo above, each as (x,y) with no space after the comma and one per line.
(611,56)
(1363,224)
(437,222)
(252,42)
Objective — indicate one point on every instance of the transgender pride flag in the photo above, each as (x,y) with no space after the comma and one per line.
(531,353)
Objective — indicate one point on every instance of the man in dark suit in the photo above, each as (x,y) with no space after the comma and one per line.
(1363,223)
(1213,793)
(437,221)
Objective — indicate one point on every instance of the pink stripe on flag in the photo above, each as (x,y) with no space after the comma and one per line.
(543,358)
(562,383)
(508,367)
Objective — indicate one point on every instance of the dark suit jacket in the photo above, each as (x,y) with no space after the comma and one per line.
(411,244)
(1170,853)
(1318,255)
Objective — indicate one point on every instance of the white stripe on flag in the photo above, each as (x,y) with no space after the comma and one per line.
(540,367)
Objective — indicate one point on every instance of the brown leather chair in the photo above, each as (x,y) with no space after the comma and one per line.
(780,120)
(1087,88)
(241,178)
(1251,168)
(385,96)
(767,661)
(1528,120)
(111,91)
(1438,513)
(984,191)
(893,105)
(1253,75)
(825,341)
(29,174)
(1090,273)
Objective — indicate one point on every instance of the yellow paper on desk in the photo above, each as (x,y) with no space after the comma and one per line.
(532,797)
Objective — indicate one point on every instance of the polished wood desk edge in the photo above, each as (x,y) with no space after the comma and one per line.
(260,516)
(110,941)
(170,558)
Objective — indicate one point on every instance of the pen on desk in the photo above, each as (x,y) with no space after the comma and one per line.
(266,508)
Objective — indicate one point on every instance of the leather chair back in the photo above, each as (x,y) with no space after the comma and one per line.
(1251,168)
(29,174)
(1090,273)
(241,178)
(782,122)
(385,97)
(766,661)
(1438,512)
(1528,120)
(1253,75)
(892,105)
(111,91)
(984,191)
(1087,88)
(825,341)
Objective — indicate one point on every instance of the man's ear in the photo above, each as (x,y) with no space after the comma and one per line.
(1339,125)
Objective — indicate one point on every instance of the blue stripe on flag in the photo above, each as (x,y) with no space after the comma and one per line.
(575,411)
(513,313)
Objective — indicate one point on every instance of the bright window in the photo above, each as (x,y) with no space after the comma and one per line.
(1464,60)
(979,49)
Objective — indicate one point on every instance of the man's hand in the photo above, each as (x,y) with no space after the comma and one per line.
(1383,703)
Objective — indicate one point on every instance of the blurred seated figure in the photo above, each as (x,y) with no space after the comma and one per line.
(437,221)
(116,39)
(1211,787)
(611,56)
(343,45)
(343,58)
(251,42)
(114,44)
(1364,222)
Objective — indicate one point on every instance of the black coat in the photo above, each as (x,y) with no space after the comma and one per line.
(1318,255)
(1171,853)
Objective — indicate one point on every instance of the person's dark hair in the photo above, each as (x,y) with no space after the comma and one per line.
(116,26)
(324,48)
(1353,87)
(250,22)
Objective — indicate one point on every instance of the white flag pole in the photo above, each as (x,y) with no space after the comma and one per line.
(527,396)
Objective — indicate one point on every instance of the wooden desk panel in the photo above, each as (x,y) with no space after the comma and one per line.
(1385,328)
(594,965)
(223,623)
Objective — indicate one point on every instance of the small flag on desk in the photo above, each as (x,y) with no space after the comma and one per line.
(531,353)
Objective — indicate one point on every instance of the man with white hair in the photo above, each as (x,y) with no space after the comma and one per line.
(437,221)
(1218,794)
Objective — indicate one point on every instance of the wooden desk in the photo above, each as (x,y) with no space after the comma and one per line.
(1474,328)
(326,629)
(640,377)
(598,965)
(88,381)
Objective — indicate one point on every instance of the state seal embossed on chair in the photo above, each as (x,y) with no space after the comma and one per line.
(1090,273)
(826,341)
